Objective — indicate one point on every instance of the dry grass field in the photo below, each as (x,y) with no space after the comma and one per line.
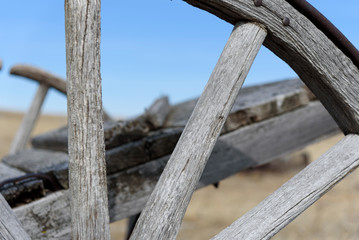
(335,216)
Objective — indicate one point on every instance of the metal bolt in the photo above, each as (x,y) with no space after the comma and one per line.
(286,21)
(258,3)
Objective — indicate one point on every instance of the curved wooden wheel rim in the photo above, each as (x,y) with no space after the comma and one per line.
(306,49)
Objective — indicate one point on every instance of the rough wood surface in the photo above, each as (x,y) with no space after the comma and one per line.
(40,75)
(10,227)
(130,188)
(252,104)
(162,216)
(300,192)
(28,122)
(330,74)
(87,166)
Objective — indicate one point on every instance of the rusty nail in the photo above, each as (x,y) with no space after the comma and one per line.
(258,3)
(286,21)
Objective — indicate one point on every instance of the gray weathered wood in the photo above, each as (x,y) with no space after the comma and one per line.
(10,227)
(87,167)
(252,104)
(28,122)
(330,74)
(157,113)
(300,192)
(130,187)
(162,216)
(40,75)
(22,190)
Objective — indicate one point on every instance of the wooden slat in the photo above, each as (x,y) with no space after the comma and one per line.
(326,70)
(39,75)
(87,166)
(291,199)
(130,188)
(28,122)
(10,227)
(162,216)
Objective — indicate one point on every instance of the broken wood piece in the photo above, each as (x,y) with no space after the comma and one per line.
(28,122)
(157,113)
(162,216)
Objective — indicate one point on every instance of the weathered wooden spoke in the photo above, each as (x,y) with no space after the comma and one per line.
(10,227)
(299,193)
(162,216)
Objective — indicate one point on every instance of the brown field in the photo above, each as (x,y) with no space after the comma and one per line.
(335,216)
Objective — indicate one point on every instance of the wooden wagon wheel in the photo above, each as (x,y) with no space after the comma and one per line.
(295,33)
(285,31)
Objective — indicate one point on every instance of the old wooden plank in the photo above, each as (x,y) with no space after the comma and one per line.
(28,122)
(36,160)
(325,69)
(20,191)
(253,104)
(40,75)
(300,192)
(87,166)
(130,188)
(116,132)
(162,216)
(10,227)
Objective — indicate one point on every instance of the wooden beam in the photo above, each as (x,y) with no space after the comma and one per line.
(162,216)
(87,167)
(10,227)
(299,193)
(28,122)
(39,75)
(130,188)
(325,69)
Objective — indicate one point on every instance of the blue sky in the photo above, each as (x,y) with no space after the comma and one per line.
(148,49)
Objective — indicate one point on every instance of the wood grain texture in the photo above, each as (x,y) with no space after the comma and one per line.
(307,51)
(252,104)
(300,192)
(87,167)
(130,188)
(39,75)
(162,216)
(10,227)
(28,122)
